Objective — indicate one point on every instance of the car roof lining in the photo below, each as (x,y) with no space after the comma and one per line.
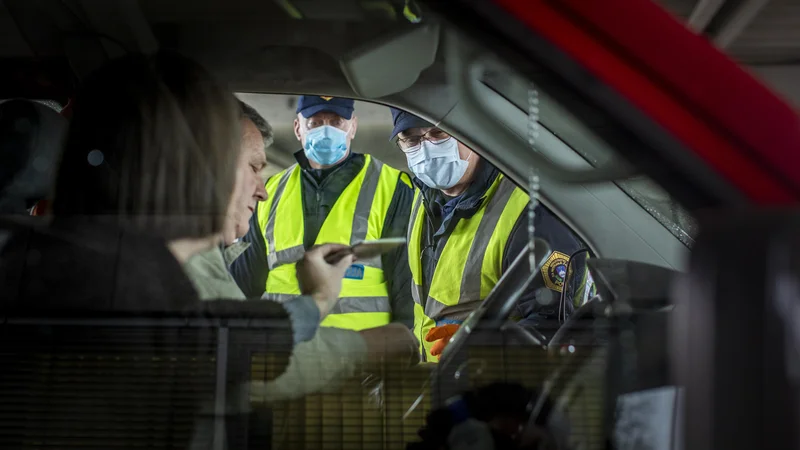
(393,64)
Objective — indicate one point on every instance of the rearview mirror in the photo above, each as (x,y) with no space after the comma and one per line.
(631,285)
(393,65)
(578,285)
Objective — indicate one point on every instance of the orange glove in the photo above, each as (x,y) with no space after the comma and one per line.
(442,336)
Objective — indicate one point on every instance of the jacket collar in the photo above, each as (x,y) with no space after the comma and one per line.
(233,251)
(214,263)
(302,160)
(319,175)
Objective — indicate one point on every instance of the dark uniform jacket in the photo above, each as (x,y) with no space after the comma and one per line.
(539,305)
(320,190)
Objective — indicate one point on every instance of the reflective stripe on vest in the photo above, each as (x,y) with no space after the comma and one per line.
(358,214)
(471,261)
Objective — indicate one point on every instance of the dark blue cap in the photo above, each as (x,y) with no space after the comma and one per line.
(308,105)
(405,121)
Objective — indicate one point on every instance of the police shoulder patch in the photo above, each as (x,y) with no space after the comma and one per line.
(554,271)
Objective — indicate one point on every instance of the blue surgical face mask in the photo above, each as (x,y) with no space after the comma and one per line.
(438,165)
(326,145)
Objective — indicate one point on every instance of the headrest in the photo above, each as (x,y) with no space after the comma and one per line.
(31,139)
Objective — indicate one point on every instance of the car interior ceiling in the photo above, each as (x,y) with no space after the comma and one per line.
(243,52)
(268,62)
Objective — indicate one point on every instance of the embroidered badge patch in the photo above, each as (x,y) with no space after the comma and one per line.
(554,271)
(327,99)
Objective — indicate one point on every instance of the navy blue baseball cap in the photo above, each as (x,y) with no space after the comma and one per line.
(308,105)
(405,121)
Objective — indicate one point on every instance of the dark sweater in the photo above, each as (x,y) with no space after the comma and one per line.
(80,265)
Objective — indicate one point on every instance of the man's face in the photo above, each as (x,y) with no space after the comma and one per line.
(413,140)
(302,125)
(249,187)
(409,139)
(413,137)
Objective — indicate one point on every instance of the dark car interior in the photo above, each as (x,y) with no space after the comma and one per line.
(683,344)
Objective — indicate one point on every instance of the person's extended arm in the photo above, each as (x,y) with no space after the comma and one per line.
(335,355)
(305,317)
(320,280)
(250,269)
(320,284)
(538,306)
(395,263)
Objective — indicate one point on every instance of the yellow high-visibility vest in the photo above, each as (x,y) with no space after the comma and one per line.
(471,262)
(358,215)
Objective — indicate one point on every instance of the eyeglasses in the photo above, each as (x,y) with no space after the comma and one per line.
(434,136)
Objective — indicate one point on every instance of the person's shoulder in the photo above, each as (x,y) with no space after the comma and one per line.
(403,178)
(355,159)
(549,219)
(206,263)
(563,242)
(556,232)
(210,277)
(548,227)
(276,177)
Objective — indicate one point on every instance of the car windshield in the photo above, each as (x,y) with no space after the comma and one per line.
(580,136)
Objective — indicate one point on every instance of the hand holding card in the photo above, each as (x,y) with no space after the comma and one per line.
(322,280)
(366,249)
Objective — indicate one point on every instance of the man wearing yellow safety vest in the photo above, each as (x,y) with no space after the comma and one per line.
(332,195)
(467,225)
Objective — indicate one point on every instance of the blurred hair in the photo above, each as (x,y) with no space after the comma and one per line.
(152,145)
(32,135)
(248,112)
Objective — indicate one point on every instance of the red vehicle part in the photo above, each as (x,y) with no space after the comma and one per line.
(725,116)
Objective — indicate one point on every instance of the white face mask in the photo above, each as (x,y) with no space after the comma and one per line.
(438,165)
